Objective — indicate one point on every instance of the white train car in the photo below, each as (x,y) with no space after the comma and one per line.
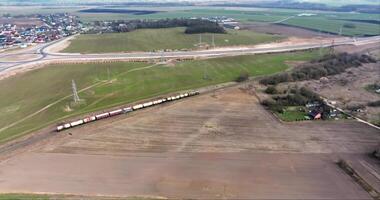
(76,123)
(66,126)
(102,116)
(136,107)
(89,119)
(148,104)
(60,128)
(116,112)
(127,109)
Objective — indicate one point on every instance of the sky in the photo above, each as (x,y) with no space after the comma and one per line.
(329,2)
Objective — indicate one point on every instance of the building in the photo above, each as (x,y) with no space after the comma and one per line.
(315,115)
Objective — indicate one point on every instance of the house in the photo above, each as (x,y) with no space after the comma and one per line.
(315,114)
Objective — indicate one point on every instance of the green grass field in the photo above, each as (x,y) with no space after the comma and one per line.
(23,197)
(333,25)
(15,196)
(291,114)
(50,87)
(324,21)
(159,39)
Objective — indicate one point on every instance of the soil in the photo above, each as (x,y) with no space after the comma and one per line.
(218,145)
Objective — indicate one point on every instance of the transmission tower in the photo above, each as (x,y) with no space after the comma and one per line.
(75,92)
(213,41)
(332,47)
(340,30)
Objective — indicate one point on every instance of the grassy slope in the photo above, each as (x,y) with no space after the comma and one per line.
(158,39)
(26,93)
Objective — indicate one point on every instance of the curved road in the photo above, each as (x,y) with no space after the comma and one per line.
(45,56)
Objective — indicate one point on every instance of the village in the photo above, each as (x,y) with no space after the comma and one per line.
(23,31)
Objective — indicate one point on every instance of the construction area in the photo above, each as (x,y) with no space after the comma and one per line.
(221,144)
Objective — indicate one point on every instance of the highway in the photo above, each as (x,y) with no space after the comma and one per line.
(43,55)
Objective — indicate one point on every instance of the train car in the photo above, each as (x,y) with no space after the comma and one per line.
(102,116)
(169,99)
(76,123)
(66,126)
(89,119)
(136,107)
(116,112)
(127,110)
(186,94)
(60,128)
(163,100)
(148,104)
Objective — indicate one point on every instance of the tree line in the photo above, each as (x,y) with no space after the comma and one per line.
(192,25)
(328,65)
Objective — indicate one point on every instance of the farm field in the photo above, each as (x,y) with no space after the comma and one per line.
(332,25)
(224,141)
(323,21)
(329,22)
(107,85)
(160,39)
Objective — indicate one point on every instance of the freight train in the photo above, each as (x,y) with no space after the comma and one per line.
(122,111)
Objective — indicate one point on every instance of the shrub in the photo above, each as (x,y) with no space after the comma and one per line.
(326,66)
(349,25)
(374,103)
(242,77)
(271,90)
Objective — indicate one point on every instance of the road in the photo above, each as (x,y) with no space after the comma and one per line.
(44,55)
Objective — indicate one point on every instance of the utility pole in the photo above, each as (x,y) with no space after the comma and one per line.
(213,41)
(205,75)
(200,38)
(332,47)
(75,92)
(340,30)
(320,49)
(108,73)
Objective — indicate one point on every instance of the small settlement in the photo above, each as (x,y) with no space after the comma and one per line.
(43,28)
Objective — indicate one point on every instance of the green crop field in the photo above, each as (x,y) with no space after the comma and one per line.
(41,97)
(23,197)
(334,25)
(15,196)
(159,39)
(323,20)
